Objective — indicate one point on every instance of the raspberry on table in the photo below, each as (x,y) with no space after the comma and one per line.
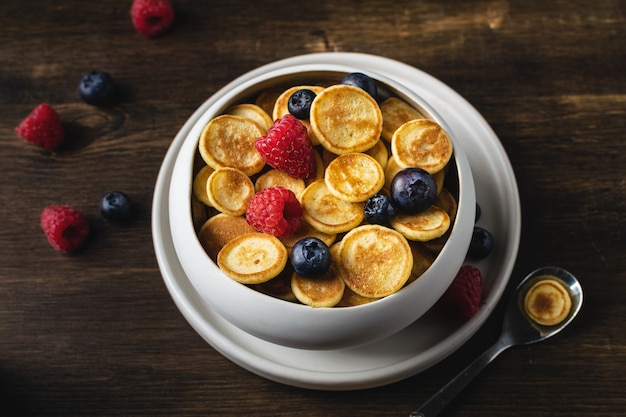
(287,147)
(275,211)
(42,127)
(65,227)
(462,299)
(151,17)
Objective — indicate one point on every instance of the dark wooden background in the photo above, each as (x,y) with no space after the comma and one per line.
(97,334)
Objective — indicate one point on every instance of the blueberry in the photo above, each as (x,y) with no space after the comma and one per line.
(413,190)
(310,257)
(358,79)
(116,206)
(478,213)
(299,103)
(97,87)
(379,210)
(481,243)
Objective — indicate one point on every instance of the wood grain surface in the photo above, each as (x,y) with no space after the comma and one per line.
(97,333)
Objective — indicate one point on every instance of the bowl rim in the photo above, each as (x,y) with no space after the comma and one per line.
(183,168)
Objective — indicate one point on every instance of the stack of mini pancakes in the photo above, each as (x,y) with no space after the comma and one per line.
(360,145)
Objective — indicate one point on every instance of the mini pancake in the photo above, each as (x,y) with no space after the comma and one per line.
(326,213)
(548,302)
(320,291)
(275,177)
(253,258)
(375,261)
(267,98)
(281,108)
(396,112)
(427,225)
(229,191)
(422,260)
(199,184)
(421,143)
(252,112)
(391,170)
(228,141)
(220,229)
(379,152)
(346,119)
(446,201)
(354,177)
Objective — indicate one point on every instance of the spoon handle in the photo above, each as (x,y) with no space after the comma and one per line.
(435,404)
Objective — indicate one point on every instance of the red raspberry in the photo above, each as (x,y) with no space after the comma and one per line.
(43,127)
(462,299)
(151,17)
(66,228)
(275,211)
(287,147)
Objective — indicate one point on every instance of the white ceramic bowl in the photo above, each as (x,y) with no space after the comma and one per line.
(292,324)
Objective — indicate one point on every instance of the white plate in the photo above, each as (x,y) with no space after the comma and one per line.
(425,342)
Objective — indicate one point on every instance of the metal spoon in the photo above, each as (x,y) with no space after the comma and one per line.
(517,329)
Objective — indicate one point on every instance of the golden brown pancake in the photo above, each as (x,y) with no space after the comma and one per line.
(252,112)
(220,229)
(326,213)
(199,184)
(427,225)
(375,261)
(253,258)
(346,119)
(548,302)
(228,141)
(396,112)
(229,191)
(421,143)
(354,177)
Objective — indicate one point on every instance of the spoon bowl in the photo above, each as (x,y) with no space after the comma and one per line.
(517,329)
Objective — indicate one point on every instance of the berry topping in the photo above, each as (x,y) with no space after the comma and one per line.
(151,17)
(65,227)
(462,299)
(310,257)
(287,147)
(96,87)
(481,243)
(275,211)
(299,103)
(43,127)
(413,190)
(379,210)
(358,79)
(116,206)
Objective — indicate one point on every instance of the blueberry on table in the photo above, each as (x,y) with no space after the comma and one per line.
(379,210)
(310,257)
(481,243)
(413,190)
(363,81)
(97,88)
(299,103)
(116,206)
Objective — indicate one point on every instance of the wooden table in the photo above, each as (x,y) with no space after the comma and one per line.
(97,333)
